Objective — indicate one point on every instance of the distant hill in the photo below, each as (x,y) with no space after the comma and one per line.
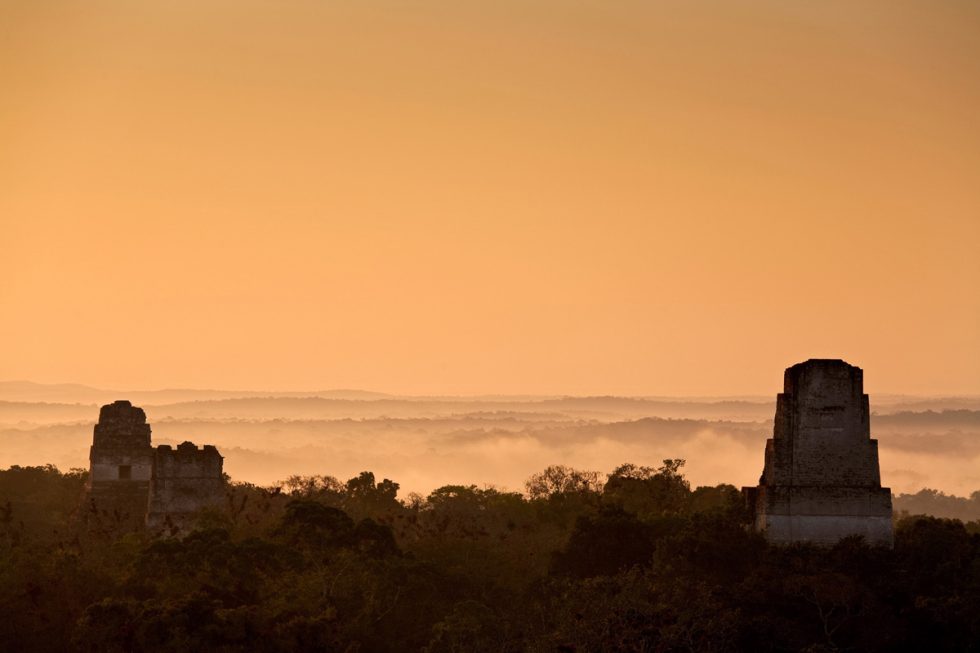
(74,393)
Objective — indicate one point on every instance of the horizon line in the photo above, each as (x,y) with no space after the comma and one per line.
(267,392)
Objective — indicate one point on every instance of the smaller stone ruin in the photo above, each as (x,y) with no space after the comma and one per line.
(134,486)
(184,481)
(821,480)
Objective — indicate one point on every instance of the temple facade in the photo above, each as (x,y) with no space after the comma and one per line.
(120,466)
(821,480)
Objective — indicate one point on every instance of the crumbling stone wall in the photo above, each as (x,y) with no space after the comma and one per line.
(184,481)
(821,481)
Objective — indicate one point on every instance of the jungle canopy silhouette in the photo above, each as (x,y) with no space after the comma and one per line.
(635,559)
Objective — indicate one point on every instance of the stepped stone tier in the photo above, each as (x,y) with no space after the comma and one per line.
(132,485)
(821,480)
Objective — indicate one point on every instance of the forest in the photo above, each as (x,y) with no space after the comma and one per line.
(635,560)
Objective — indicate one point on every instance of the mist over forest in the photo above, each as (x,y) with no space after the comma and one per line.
(427,442)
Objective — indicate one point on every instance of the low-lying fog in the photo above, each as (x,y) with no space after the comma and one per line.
(423,443)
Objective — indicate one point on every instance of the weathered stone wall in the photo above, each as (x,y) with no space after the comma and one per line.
(821,477)
(827,530)
(822,429)
(184,480)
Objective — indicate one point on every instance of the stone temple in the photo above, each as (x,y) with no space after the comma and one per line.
(121,463)
(133,485)
(821,480)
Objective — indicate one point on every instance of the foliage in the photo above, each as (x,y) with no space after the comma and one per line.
(641,562)
(939,504)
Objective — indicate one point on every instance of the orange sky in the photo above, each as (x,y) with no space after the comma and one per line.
(450,196)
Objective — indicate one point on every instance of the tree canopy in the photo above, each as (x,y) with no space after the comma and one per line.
(633,560)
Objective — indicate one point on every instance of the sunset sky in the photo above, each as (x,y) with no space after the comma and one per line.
(504,196)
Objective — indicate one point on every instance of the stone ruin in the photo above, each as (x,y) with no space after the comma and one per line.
(184,480)
(121,463)
(138,486)
(821,480)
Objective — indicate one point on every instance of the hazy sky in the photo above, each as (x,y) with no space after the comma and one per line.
(557,196)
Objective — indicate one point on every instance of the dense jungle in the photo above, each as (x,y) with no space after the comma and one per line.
(636,560)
